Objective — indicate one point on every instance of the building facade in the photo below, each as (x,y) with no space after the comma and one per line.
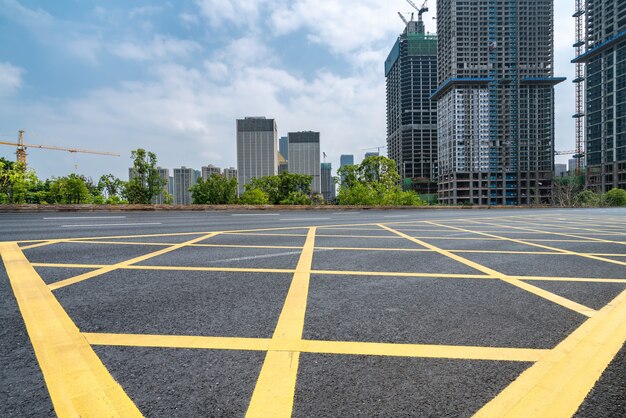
(604,58)
(411,78)
(304,156)
(256,149)
(209,170)
(327,182)
(230,173)
(184,179)
(495,101)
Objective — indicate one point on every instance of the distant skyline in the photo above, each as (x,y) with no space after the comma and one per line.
(173,77)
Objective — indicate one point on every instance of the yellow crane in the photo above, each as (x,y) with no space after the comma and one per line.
(21,149)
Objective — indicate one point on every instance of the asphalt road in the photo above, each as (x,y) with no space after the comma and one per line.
(369,313)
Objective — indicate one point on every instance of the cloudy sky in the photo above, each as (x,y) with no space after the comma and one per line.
(172,76)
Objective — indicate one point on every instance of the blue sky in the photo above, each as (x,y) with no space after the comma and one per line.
(172,76)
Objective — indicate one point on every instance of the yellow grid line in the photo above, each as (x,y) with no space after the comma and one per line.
(78,382)
(321,347)
(574,306)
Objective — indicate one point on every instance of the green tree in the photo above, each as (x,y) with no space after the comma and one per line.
(374,182)
(296,198)
(254,196)
(587,199)
(15,182)
(278,188)
(615,197)
(146,182)
(71,189)
(216,190)
(110,186)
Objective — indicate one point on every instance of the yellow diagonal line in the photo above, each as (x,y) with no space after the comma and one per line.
(78,382)
(107,269)
(534,244)
(557,384)
(577,236)
(577,307)
(276,385)
(356,348)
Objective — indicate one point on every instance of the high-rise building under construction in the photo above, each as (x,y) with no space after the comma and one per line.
(495,101)
(411,74)
(603,53)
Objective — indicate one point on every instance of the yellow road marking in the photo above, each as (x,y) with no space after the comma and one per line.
(107,269)
(340,273)
(321,347)
(276,385)
(577,236)
(557,384)
(546,247)
(78,382)
(422,350)
(178,341)
(576,307)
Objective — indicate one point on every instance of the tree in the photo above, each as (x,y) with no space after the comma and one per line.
(15,182)
(296,198)
(110,186)
(615,197)
(71,189)
(374,182)
(587,199)
(279,188)
(254,196)
(146,182)
(565,190)
(216,190)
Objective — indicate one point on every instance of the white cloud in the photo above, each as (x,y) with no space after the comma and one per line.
(160,47)
(188,19)
(10,79)
(237,12)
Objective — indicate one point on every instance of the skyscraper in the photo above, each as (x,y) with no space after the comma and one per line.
(184,179)
(411,73)
(346,159)
(495,101)
(371,154)
(304,156)
(230,173)
(256,149)
(328,183)
(604,58)
(209,170)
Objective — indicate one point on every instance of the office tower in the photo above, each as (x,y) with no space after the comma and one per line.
(304,156)
(495,101)
(164,173)
(327,182)
(184,179)
(346,159)
(411,74)
(371,154)
(560,170)
(283,146)
(256,149)
(170,186)
(230,173)
(604,58)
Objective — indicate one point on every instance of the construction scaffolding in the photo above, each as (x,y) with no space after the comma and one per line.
(579,116)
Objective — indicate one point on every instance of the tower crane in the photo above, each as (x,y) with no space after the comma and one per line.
(406,22)
(378,148)
(21,149)
(575,153)
(420,10)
